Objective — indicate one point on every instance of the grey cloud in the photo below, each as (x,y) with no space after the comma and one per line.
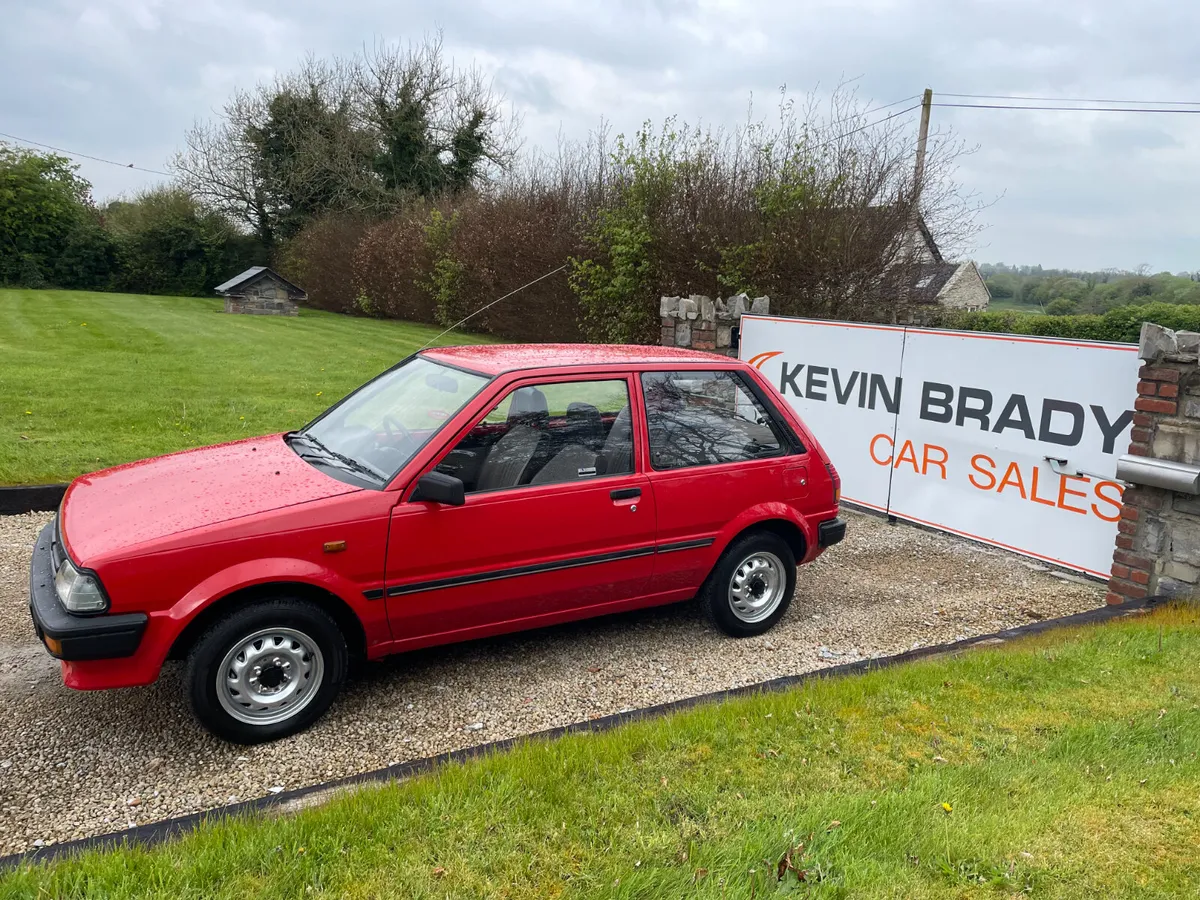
(125,78)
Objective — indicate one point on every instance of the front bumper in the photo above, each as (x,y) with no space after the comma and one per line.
(69,637)
(831,532)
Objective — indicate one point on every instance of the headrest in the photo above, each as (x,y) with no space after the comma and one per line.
(528,405)
(583,416)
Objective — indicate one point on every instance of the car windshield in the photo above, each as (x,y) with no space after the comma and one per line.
(373,433)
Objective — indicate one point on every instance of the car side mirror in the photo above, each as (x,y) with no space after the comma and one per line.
(438,487)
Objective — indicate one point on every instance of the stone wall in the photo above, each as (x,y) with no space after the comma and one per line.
(1158,544)
(260,306)
(701,323)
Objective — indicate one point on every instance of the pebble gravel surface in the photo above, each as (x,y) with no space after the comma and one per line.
(74,764)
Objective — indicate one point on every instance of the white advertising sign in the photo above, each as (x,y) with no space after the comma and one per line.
(844,380)
(1007,439)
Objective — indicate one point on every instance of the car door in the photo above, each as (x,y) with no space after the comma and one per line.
(558,517)
(716,449)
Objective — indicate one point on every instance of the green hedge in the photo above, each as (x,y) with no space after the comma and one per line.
(1121,324)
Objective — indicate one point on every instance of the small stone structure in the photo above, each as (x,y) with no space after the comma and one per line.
(262,292)
(701,323)
(1158,544)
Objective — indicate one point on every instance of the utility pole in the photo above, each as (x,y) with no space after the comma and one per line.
(914,223)
(919,174)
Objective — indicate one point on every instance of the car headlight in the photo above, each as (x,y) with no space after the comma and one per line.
(77,591)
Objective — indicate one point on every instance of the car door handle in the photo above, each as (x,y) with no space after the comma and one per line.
(625,493)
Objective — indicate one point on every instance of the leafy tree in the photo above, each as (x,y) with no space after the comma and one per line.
(306,153)
(167,243)
(87,256)
(616,286)
(1003,286)
(1061,307)
(359,135)
(44,207)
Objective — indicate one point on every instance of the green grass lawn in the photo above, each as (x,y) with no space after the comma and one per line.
(1013,306)
(91,380)
(1062,766)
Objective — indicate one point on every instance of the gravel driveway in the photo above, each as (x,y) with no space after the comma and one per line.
(74,764)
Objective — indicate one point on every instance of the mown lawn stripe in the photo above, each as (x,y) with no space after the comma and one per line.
(93,380)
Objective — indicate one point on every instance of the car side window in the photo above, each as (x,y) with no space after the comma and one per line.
(705,418)
(549,433)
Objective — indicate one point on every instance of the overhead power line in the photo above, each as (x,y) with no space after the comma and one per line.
(1107,109)
(893,103)
(846,134)
(1071,99)
(13,137)
(493,303)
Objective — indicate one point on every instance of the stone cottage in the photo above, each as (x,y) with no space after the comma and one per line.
(951,285)
(261,291)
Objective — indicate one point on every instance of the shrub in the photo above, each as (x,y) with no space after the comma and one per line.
(321,260)
(1123,324)
(87,257)
(29,273)
(616,290)
(446,271)
(505,242)
(167,243)
(812,211)
(390,263)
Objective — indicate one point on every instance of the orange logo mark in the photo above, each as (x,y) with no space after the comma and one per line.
(758,360)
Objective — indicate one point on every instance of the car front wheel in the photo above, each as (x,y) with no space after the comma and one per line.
(267,671)
(751,587)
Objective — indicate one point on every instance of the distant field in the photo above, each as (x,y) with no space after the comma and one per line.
(1012,306)
(92,380)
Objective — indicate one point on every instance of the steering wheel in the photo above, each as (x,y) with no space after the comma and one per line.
(394,427)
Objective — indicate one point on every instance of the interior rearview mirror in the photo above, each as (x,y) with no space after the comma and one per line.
(443,383)
(439,487)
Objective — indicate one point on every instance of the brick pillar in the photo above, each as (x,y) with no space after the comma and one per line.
(700,323)
(1158,540)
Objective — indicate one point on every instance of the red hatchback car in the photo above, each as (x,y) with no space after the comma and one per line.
(467,491)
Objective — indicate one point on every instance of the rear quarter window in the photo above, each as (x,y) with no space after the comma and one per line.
(706,418)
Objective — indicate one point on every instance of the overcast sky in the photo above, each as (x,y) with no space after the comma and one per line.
(123,79)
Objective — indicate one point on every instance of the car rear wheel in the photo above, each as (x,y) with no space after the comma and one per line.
(751,586)
(267,671)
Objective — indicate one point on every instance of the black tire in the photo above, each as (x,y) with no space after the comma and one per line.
(298,621)
(716,598)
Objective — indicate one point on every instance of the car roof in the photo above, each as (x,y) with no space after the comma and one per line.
(493,359)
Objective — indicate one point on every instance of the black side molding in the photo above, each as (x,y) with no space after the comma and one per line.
(516,571)
(686,545)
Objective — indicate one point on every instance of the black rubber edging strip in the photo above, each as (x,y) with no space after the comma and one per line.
(31,498)
(154,833)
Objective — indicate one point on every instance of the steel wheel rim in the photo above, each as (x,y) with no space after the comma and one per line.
(757,587)
(270,676)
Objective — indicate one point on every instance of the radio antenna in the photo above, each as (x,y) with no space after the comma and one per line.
(493,303)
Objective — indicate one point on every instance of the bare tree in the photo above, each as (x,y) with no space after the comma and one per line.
(220,166)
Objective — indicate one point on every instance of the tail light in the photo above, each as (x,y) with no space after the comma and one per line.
(837,483)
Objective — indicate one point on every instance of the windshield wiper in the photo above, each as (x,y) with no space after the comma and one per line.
(349,462)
